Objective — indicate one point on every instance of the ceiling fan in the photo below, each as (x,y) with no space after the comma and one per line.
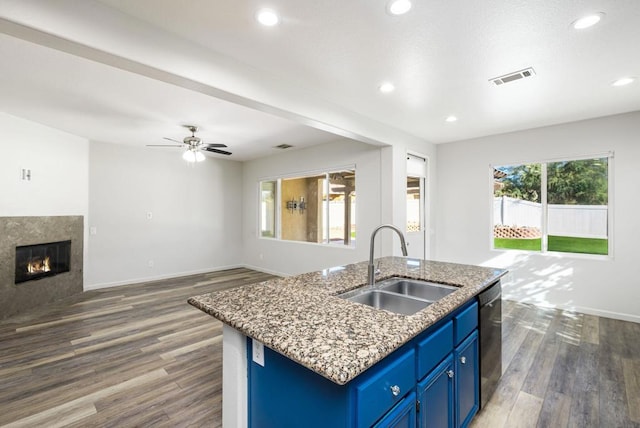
(194,145)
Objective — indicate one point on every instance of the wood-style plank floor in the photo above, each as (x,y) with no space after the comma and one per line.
(140,356)
(130,356)
(565,369)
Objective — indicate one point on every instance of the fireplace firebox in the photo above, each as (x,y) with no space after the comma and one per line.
(42,260)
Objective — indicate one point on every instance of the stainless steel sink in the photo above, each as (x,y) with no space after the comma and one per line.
(425,290)
(400,295)
(392,302)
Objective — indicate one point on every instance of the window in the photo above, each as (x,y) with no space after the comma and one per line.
(560,206)
(268,194)
(316,208)
(414,208)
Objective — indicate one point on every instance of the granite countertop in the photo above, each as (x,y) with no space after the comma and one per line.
(301,317)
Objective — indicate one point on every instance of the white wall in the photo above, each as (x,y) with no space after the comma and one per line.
(463,224)
(381,198)
(289,257)
(59,164)
(396,201)
(196,214)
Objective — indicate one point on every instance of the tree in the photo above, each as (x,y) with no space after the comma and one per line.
(577,182)
(521,182)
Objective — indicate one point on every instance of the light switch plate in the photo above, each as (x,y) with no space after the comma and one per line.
(257,352)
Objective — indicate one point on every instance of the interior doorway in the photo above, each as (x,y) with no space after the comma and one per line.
(416,204)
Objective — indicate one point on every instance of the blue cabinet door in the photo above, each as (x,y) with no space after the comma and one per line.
(401,416)
(466,380)
(435,394)
(383,387)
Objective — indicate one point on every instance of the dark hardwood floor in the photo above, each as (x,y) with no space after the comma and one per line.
(140,356)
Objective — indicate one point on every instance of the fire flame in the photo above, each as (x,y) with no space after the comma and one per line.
(39,265)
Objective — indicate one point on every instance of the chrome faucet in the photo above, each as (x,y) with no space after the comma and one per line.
(371,272)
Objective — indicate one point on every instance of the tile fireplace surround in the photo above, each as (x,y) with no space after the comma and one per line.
(15,231)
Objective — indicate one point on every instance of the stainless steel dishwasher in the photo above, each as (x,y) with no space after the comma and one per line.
(490,326)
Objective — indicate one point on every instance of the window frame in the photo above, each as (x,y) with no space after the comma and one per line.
(278,205)
(276,213)
(544,205)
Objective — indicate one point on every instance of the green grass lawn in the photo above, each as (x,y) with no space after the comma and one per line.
(518,244)
(568,244)
(563,244)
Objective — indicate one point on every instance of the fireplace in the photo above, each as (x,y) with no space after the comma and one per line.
(42,260)
(18,297)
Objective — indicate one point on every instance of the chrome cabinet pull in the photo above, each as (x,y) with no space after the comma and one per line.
(450,373)
(463,360)
(395,390)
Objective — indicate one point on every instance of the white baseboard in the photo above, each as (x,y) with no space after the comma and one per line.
(270,272)
(583,310)
(158,277)
(606,314)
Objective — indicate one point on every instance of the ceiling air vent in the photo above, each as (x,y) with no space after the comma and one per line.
(283,146)
(517,75)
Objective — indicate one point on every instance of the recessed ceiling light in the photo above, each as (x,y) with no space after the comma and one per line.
(398,7)
(267,17)
(451,119)
(386,87)
(624,81)
(587,21)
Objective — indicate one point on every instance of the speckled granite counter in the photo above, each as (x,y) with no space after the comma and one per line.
(301,317)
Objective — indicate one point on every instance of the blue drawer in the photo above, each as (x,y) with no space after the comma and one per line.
(434,348)
(465,322)
(376,395)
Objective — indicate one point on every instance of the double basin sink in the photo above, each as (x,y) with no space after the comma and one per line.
(399,295)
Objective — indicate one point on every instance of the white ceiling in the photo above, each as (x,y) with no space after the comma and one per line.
(321,67)
(107,104)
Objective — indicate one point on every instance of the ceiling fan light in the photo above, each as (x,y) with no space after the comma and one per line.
(193,156)
(189,156)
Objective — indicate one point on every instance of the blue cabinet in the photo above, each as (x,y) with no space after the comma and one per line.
(449,395)
(285,394)
(432,381)
(435,395)
(401,416)
(466,377)
(383,388)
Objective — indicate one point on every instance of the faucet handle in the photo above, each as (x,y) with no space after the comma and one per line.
(377,271)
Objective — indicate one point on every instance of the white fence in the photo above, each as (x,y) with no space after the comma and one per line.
(588,221)
(516,212)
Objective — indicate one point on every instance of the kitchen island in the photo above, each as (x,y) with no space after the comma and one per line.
(338,341)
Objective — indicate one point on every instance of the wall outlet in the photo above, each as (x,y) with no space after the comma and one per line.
(149,215)
(257,352)
(93,230)
(150,263)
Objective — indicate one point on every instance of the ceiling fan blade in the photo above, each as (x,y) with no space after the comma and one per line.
(222,152)
(213,145)
(171,139)
(165,145)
